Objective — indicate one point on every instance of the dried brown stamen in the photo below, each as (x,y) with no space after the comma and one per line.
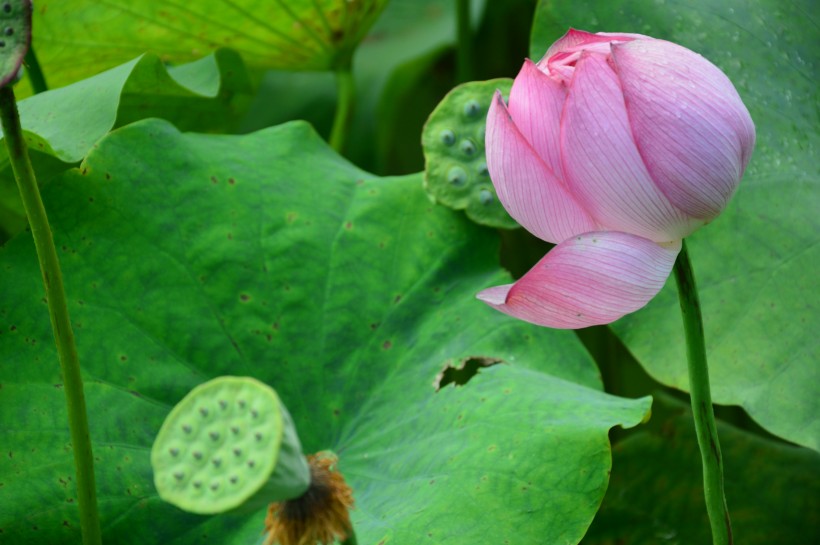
(320,515)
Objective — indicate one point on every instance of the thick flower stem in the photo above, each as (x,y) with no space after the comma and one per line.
(344,107)
(464,58)
(58,311)
(701,399)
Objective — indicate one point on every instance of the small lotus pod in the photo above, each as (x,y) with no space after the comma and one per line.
(230,443)
(15,37)
(455,173)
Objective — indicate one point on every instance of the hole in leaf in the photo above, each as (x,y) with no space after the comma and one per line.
(460,374)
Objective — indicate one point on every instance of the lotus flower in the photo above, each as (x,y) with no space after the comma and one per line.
(614,147)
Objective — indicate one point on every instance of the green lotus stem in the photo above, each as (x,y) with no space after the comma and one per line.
(58,311)
(464,55)
(351,538)
(35,72)
(701,399)
(344,107)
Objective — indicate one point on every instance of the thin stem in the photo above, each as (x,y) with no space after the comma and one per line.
(701,398)
(464,58)
(35,72)
(344,107)
(58,311)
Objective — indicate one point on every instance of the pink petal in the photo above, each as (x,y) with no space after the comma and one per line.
(691,127)
(529,191)
(591,279)
(575,38)
(602,166)
(536,102)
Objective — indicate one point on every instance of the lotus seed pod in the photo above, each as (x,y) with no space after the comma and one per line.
(229,443)
(15,37)
(455,167)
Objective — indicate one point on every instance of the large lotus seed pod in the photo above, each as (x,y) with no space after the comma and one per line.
(15,37)
(455,172)
(229,443)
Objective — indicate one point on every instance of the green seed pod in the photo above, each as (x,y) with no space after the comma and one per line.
(455,173)
(229,443)
(15,37)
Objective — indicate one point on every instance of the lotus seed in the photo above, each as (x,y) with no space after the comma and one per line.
(197,484)
(258,436)
(472,108)
(237,452)
(7,7)
(186,428)
(223,404)
(197,455)
(217,462)
(9,31)
(241,403)
(179,475)
(457,176)
(203,411)
(215,486)
(467,147)
(214,435)
(234,479)
(482,169)
(235,430)
(448,137)
(254,413)
(251,463)
(485,197)
(174,451)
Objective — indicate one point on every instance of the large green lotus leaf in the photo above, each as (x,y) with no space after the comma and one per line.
(756,265)
(192,256)
(63,124)
(656,491)
(77,38)
(407,32)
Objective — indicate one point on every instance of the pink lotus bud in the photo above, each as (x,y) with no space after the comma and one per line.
(627,140)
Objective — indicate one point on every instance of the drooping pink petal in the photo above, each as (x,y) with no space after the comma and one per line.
(602,166)
(590,279)
(536,102)
(529,190)
(690,126)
